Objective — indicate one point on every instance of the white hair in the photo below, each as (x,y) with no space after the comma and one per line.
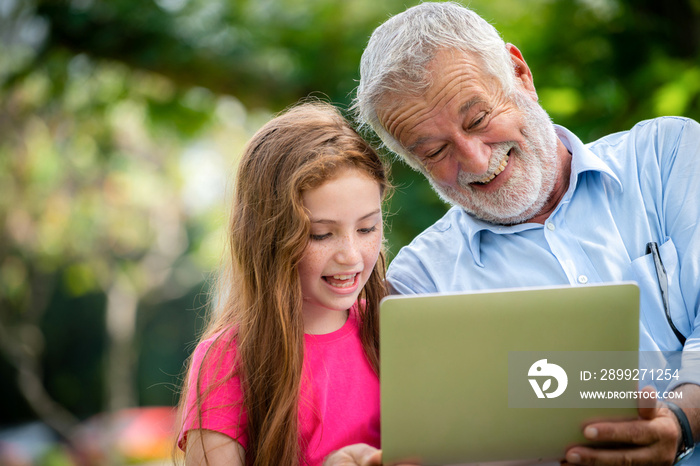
(399,51)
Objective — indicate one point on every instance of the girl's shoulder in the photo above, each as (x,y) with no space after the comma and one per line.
(220,340)
(215,351)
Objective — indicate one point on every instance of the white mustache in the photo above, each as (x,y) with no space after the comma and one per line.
(499,152)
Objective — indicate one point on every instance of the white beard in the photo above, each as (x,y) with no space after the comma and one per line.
(531,181)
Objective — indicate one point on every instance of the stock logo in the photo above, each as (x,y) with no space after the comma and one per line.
(542,370)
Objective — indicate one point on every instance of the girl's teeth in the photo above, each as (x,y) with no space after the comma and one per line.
(342,281)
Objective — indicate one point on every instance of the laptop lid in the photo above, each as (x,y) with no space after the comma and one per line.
(454,365)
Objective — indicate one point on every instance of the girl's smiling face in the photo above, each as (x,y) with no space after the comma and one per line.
(346,238)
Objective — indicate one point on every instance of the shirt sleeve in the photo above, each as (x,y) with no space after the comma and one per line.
(214,398)
(419,266)
(681,205)
(667,178)
(682,188)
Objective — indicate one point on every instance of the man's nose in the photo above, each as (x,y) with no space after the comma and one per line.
(472,155)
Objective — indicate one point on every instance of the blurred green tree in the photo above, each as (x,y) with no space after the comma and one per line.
(119,120)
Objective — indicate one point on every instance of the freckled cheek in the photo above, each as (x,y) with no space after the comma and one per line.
(314,260)
(370,252)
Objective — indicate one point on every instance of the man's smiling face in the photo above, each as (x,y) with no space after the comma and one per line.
(494,155)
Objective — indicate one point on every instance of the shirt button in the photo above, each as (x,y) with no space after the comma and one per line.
(550,226)
(582,279)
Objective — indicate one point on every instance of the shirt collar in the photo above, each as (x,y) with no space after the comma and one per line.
(582,160)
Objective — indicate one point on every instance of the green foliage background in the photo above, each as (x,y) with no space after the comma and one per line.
(121,121)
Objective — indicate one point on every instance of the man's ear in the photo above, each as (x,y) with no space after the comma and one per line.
(523,74)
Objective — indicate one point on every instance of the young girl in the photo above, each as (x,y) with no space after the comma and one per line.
(287,371)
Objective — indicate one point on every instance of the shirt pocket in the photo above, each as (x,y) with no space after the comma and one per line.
(654,322)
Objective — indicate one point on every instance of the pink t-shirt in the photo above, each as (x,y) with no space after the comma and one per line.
(339,401)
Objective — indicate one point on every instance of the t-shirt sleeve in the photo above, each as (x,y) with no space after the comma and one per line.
(214,399)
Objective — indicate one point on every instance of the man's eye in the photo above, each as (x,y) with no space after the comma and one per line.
(320,237)
(479,120)
(434,154)
(433,158)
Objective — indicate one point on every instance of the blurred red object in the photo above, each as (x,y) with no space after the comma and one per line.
(132,435)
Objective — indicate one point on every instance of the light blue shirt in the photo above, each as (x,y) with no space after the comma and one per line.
(626,189)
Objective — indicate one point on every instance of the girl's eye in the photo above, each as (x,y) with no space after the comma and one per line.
(368,230)
(320,237)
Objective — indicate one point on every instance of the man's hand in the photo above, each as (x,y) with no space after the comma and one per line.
(358,454)
(652,439)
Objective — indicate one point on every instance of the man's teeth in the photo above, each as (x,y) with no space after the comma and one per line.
(497,172)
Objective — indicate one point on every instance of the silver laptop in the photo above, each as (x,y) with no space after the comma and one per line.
(459,372)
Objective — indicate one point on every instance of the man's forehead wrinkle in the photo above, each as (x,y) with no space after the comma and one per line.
(424,113)
(396,116)
(433,105)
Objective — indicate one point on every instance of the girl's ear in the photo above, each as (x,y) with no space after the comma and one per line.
(522,71)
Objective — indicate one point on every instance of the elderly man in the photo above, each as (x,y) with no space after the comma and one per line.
(533,205)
